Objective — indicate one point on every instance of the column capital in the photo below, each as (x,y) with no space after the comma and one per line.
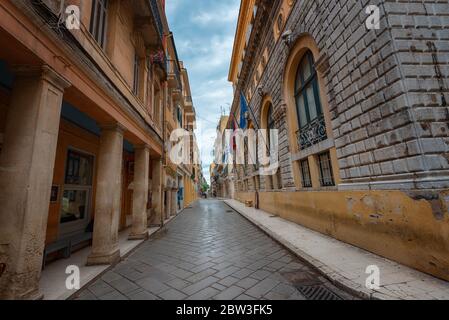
(142,146)
(113,126)
(45,72)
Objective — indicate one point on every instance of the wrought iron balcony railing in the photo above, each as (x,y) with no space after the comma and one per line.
(313,133)
(157,18)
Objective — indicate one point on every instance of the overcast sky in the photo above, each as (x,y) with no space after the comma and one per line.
(204,34)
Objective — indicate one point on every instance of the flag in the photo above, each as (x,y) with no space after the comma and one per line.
(234,127)
(243,111)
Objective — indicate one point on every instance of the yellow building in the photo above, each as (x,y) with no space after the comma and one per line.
(360,155)
(83,131)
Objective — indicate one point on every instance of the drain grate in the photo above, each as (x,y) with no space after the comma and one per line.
(313,286)
(318,292)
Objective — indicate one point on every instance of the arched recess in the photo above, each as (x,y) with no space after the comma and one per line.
(308,159)
(274,181)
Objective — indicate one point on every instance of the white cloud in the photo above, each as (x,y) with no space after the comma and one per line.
(224,13)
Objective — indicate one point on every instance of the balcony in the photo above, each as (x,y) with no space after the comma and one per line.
(174,75)
(313,133)
(148,22)
(188,104)
(157,17)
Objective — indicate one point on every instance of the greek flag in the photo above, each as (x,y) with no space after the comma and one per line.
(243,111)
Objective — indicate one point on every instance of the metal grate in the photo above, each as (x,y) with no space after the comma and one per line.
(315,287)
(318,292)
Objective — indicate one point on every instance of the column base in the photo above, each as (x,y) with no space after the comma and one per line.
(141,236)
(108,259)
(31,296)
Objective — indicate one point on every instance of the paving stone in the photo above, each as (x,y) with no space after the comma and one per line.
(228,281)
(201,275)
(204,294)
(142,295)
(262,288)
(260,274)
(178,283)
(152,285)
(181,273)
(200,285)
(86,295)
(123,285)
(202,267)
(247,283)
(172,294)
(110,276)
(114,295)
(218,286)
(243,273)
(226,272)
(230,293)
(100,288)
(244,297)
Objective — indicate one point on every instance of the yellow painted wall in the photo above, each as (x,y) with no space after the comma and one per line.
(71,136)
(74,137)
(388,223)
(189,192)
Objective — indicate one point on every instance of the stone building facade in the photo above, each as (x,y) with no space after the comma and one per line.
(82,132)
(362,116)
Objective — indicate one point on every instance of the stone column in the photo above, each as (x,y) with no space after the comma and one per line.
(139,228)
(105,249)
(26,173)
(156,195)
(166,203)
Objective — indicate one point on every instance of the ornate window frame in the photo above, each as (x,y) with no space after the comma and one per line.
(302,46)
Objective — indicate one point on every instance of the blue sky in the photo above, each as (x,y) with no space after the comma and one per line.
(204,34)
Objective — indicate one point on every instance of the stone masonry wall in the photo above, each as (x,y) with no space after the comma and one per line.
(387,89)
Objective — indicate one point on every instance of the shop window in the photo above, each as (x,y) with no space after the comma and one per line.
(305,174)
(77,188)
(326,173)
(312,128)
(98,21)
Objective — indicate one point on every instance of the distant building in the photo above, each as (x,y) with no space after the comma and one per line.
(362,119)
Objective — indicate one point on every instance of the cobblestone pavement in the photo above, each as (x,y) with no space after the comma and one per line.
(207,252)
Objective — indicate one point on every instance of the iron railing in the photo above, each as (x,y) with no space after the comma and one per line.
(311,134)
(157,18)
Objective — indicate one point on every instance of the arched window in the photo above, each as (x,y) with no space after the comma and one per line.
(312,127)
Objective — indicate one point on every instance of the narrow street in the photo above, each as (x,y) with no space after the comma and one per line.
(208,252)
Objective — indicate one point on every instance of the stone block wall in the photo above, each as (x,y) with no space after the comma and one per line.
(387,89)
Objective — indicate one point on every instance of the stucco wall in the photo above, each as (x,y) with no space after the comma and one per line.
(405,228)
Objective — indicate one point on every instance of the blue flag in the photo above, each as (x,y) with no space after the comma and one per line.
(243,110)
